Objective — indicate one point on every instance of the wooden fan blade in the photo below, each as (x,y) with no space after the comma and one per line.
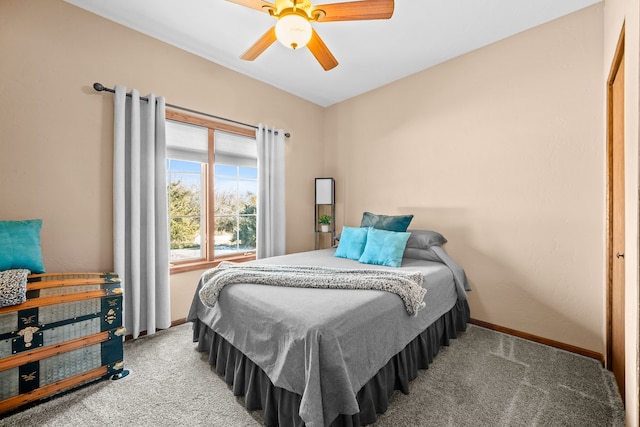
(253,4)
(356,10)
(261,45)
(321,52)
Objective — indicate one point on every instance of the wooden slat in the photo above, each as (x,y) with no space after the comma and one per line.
(261,45)
(181,117)
(93,274)
(357,10)
(58,386)
(321,52)
(46,284)
(58,299)
(52,350)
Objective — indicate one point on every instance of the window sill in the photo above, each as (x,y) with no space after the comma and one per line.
(183,267)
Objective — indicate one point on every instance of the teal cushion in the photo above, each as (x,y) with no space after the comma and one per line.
(20,245)
(352,241)
(386,222)
(384,247)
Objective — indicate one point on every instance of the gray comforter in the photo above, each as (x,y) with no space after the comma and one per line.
(325,344)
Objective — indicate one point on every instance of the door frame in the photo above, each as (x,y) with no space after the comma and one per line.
(617,59)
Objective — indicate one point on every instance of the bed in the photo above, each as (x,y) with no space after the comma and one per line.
(320,357)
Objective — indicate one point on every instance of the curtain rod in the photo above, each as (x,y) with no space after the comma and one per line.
(100,88)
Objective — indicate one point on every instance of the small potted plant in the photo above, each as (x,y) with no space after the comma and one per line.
(324,221)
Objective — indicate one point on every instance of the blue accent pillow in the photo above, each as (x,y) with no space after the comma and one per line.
(386,222)
(352,242)
(20,245)
(384,247)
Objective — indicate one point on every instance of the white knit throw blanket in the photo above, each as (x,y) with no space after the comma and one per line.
(408,286)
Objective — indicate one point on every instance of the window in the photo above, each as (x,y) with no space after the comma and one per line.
(185,193)
(236,188)
(235,192)
(212,183)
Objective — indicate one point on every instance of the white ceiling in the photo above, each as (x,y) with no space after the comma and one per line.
(421,34)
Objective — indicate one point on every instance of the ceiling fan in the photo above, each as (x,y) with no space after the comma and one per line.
(294,30)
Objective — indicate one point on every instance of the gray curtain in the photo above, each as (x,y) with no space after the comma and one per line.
(141,231)
(271,227)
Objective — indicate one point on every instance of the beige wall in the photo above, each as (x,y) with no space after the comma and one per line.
(502,151)
(56,138)
(627,13)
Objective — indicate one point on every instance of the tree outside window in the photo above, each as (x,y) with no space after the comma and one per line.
(235,208)
(212,190)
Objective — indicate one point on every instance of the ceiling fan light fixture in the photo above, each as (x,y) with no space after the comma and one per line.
(293,30)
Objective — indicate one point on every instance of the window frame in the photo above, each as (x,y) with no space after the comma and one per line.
(209,260)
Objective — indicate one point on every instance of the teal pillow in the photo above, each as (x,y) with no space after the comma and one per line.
(20,245)
(352,241)
(384,247)
(386,222)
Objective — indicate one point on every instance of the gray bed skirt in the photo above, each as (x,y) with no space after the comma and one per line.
(280,406)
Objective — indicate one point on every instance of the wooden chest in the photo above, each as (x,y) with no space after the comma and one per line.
(68,332)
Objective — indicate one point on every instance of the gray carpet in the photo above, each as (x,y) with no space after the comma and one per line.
(484,378)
